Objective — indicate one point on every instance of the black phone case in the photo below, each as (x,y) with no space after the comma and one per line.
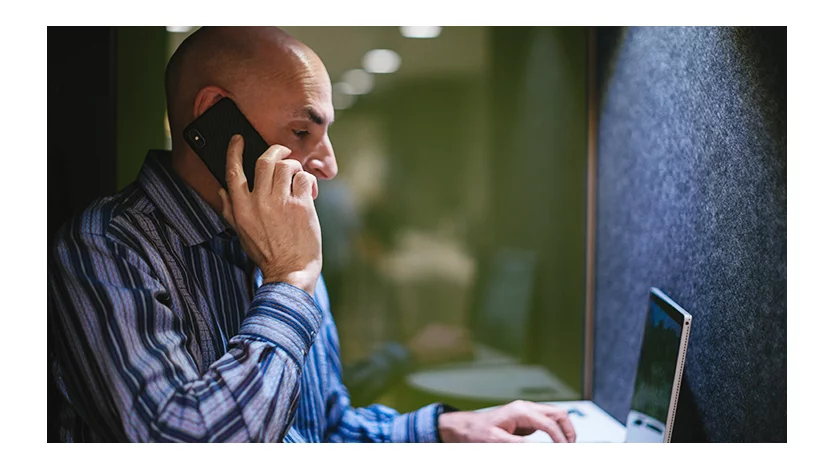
(209,136)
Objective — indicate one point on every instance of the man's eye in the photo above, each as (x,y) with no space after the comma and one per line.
(300,133)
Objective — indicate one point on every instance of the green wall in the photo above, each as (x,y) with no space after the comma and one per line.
(140,103)
(539,133)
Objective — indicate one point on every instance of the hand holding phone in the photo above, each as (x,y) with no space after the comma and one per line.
(209,137)
(277,222)
(267,197)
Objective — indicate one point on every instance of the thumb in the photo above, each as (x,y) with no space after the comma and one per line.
(501,435)
(227,212)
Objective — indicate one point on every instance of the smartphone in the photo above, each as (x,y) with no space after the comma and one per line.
(209,136)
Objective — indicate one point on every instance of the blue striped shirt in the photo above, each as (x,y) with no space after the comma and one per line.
(164,332)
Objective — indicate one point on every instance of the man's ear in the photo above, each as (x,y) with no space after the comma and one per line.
(206,98)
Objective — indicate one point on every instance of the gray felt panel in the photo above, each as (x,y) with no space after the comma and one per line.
(692,198)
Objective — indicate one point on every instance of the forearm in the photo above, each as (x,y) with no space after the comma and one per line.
(134,377)
(250,393)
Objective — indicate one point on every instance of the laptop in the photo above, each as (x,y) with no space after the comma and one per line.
(656,385)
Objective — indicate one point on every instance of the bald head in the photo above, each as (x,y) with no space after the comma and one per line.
(236,60)
(279,84)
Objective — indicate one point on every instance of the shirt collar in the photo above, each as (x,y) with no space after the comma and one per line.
(186,211)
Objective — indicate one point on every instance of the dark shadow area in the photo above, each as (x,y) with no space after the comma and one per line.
(688,425)
(81,143)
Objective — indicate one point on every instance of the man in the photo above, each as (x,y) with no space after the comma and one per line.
(175,323)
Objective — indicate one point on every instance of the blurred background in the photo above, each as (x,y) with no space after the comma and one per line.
(456,225)
(506,198)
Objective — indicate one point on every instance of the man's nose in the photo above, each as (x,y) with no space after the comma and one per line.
(323,165)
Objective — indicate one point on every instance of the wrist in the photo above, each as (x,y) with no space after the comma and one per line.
(294,279)
(294,329)
(449,422)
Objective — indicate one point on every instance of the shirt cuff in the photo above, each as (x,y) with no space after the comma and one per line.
(285,316)
(417,426)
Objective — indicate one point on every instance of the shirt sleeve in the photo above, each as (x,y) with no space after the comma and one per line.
(125,357)
(374,423)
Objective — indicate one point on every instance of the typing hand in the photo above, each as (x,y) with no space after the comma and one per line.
(276,222)
(507,423)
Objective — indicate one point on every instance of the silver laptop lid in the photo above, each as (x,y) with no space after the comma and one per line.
(659,370)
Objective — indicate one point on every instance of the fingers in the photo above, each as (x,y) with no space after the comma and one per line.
(265,169)
(527,416)
(235,178)
(543,422)
(285,170)
(500,435)
(561,417)
(304,184)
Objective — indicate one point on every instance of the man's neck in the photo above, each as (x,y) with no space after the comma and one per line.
(188,166)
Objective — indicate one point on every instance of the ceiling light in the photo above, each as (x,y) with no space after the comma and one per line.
(178,29)
(360,81)
(381,61)
(343,96)
(420,31)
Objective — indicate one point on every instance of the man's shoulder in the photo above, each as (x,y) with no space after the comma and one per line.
(106,218)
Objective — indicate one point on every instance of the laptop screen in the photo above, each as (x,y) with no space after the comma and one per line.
(657,370)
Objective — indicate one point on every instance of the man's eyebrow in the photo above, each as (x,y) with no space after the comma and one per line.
(312,115)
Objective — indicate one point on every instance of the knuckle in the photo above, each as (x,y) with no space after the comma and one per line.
(279,150)
(304,177)
(264,207)
(231,174)
(265,160)
(292,164)
(262,166)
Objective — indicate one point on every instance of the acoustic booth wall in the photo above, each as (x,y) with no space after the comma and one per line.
(692,198)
